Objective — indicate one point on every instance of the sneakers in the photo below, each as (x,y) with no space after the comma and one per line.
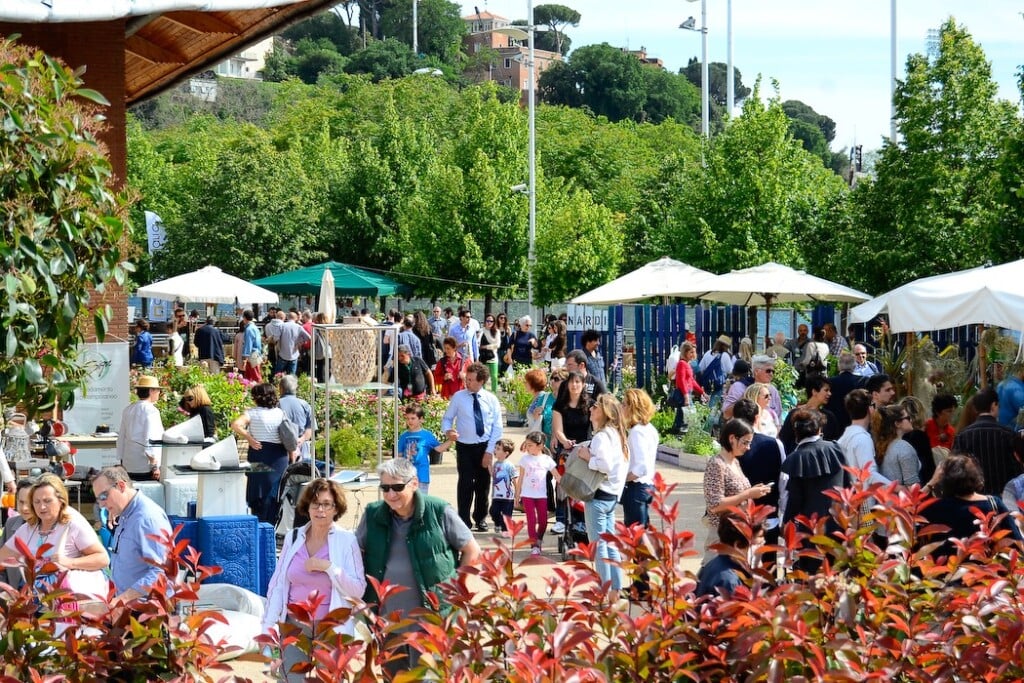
(558,528)
(536,550)
(505,533)
(482,527)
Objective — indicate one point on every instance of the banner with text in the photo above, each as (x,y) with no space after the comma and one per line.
(581,318)
(106,393)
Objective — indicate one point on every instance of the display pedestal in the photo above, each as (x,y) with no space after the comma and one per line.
(177,454)
(221,492)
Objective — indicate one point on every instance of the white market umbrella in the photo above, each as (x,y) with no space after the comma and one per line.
(208,285)
(986,295)
(773,283)
(658,278)
(327,305)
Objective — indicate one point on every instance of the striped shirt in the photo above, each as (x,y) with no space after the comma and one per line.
(993,447)
(264,423)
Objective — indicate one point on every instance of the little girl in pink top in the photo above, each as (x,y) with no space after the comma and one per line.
(531,486)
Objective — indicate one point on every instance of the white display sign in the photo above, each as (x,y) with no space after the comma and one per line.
(587,318)
(106,393)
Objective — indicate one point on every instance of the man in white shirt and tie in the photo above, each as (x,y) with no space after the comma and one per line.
(473,422)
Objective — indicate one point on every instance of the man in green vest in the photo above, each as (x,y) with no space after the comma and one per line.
(412,540)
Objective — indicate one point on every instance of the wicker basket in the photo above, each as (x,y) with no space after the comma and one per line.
(353,350)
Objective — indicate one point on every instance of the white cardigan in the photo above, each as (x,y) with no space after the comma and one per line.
(347,576)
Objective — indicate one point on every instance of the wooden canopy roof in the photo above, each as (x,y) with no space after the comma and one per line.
(162,49)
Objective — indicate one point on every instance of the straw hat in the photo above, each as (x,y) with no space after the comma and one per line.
(147,382)
(725,339)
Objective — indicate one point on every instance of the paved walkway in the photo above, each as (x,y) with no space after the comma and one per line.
(689,493)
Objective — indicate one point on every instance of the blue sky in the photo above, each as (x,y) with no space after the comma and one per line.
(832,54)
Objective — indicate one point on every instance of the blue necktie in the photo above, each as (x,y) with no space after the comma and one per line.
(478,416)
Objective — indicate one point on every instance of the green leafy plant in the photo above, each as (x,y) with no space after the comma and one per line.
(51,638)
(515,395)
(63,229)
(865,615)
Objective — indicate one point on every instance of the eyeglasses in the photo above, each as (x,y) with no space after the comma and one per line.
(329,505)
(489,320)
(864,353)
(746,442)
(102,497)
(397,488)
(770,371)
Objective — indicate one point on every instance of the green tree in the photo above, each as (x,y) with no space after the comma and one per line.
(757,197)
(669,96)
(439,27)
(556,17)
(935,201)
(382,59)
(328,26)
(552,42)
(602,78)
(244,205)
(718,82)
(578,246)
(63,229)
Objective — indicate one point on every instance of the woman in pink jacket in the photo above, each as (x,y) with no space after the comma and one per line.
(685,383)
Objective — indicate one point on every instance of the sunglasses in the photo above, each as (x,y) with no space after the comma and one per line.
(102,497)
(397,488)
(488,321)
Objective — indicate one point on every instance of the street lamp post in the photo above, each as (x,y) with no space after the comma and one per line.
(531,257)
(730,77)
(415,29)
(705,111)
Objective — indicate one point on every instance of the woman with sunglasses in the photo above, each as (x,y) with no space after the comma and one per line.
(504,333)
(767,422)
(317,558)
(897,460)
(195,401)
(490,339)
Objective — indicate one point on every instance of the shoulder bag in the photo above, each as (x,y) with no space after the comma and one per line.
(579,481)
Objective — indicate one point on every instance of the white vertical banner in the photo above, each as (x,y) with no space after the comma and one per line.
(106,391)
(155,232)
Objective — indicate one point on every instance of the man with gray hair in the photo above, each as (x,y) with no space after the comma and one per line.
(842,384)
(763,368)
(862,366)
(136,558)
(412,540)
(298,411)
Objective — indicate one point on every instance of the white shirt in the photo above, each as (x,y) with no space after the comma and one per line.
(264,423)
(140,424)
(727,362)
(643,452)
(606,456)
(859,450)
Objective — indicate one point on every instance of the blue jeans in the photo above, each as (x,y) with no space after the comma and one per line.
(287,367)
(636,499)
(600,519)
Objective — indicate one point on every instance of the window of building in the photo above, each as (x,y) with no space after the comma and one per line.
(508,63)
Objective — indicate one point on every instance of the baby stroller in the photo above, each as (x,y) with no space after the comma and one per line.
(575,527)
(297,474)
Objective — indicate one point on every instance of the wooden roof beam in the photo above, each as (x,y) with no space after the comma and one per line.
(151,52)
(203,22)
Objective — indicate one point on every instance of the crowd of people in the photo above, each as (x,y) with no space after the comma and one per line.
(849,422)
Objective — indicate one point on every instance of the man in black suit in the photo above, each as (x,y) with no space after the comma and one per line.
(210,346)
(996,449)
(842,384)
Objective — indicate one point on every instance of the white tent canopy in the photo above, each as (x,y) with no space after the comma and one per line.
(208,285)
(657,278)
(773,283)
(990,295)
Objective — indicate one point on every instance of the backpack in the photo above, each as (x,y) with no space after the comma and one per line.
(815,367)
(671,362)
(712,378)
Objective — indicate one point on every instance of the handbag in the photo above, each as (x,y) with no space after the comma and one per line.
(579,481)
(288,432)
(675,398)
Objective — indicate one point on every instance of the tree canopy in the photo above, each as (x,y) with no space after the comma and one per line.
(555,17)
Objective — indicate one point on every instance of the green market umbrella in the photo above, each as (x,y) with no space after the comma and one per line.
(348,281)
